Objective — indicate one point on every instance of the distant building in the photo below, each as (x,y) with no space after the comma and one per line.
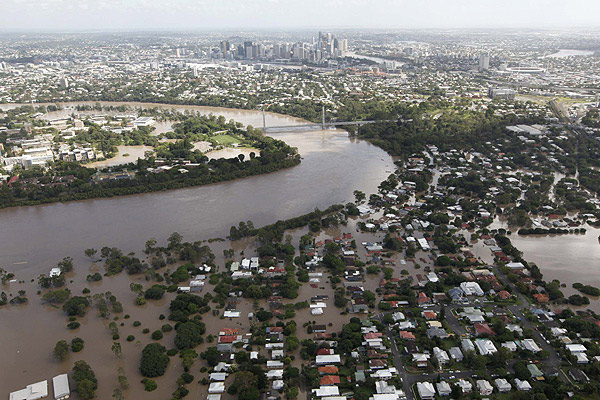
(144,121)
(484,62)
(501,93)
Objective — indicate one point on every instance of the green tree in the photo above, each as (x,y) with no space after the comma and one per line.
(61,350)
(189,335)
(66,265)
(291,343)
(76,344)
(85,389)
(154,361)
(56,296)
(85,380)
(118,394)
(116,349)
(90,253)
(211,355)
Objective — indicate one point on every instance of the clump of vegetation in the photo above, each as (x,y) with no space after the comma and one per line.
(61,350)
(76,344)
(85,380)
(154,361)
(149,385)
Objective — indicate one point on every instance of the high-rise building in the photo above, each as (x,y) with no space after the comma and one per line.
(484,62)
(225,47)
(248,48)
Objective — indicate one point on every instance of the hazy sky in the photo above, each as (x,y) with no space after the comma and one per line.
(69,15)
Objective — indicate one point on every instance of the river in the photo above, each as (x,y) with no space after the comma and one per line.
(34,238)
(562,53)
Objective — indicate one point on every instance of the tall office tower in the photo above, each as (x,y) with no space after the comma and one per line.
(225,47)
(285,50)
(248,49)
(261,50)
(344,45)
(178,53)
(299,51)
(484,62)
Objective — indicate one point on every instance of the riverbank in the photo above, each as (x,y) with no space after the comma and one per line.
(177,165)
(333,166)
(103,192)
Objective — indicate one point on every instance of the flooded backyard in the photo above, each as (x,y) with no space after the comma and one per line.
(125,155)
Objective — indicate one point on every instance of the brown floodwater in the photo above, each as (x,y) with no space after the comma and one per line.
(333,166)
(569,258)
(125,155)
(34,239)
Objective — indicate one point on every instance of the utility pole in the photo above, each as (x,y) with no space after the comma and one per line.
(323,117)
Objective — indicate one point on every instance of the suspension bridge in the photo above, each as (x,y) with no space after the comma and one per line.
(316,125)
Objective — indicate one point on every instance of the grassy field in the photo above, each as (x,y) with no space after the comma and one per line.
(225,140)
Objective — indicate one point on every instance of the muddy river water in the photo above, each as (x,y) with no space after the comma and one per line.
(333,166)
(34,239)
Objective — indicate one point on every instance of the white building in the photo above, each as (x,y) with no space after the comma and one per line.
(522,385)
(485,347)
(144,121)
(576,348)
(61,387)
(467,345)
(326,391)
(426,390)
(465,386)
(471,289)
(34,391)
(216,387)
(531,345)
(502,385)
(443,388)
(441,356)
(328,359)
(484,387)
(456,354)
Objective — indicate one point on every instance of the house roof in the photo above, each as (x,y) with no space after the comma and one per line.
(328,369)
(330,380)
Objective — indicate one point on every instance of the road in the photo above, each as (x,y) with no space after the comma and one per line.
(554,359)
(397,359)
(408,380)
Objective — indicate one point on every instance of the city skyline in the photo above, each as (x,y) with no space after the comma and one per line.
(144,15)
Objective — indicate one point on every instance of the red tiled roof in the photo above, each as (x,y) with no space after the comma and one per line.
(323,352)
(541,298)
(328,369)
(407,335)
(229,331)
(329,380)
(483,329)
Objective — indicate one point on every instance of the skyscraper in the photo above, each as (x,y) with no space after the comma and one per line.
(484,62)
(248,49)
